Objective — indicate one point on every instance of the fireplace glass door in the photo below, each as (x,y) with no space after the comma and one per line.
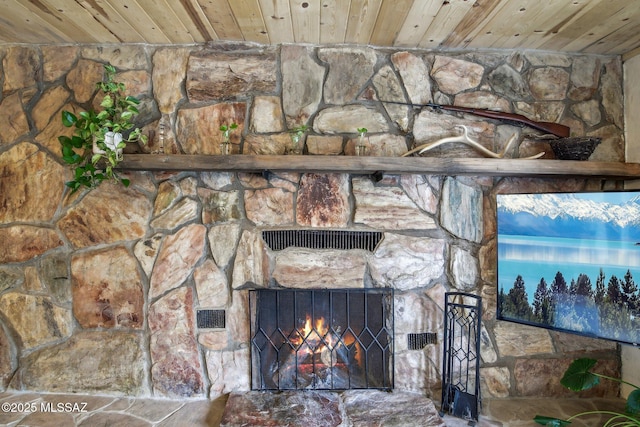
(321,339)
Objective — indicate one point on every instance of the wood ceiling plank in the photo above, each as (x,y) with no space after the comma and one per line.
(618,42)
(133,13)
(74,20)
(620,34)
(630,39)
(305,17)
(499,25)
(418,20)
(531,18)
(555,30)
(193,16)
(334,15)
(20,24)
(391,16)
(278,20)
(473,23)
(166,21)
(631,54)
(589,15)
(448,17)
(105,14)
(362,19)
(221,18)
(249,17)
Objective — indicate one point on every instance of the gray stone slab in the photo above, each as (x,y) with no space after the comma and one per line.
(354,408)
(287,409)
(373,408)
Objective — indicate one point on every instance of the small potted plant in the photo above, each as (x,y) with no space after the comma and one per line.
(225,145)
(296,136)
(361,145)
(95,148)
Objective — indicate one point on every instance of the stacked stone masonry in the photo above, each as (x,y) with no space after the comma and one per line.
(99,289)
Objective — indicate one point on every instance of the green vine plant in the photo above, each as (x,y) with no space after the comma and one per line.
(298,132)
(92,166)
(225,145)
(226,131)
(361,144)
(579,377)
(296,135)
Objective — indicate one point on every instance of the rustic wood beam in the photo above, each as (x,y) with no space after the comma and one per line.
(391,165)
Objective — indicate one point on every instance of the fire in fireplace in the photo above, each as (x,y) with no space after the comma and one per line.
(321,339)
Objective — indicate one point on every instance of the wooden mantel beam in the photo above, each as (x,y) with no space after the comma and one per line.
(391,165)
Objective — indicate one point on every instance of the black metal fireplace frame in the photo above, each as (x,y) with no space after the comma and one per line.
(378,338)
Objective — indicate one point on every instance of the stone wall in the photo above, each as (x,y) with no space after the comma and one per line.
(99,290)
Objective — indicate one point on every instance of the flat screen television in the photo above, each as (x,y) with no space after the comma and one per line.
(571,262)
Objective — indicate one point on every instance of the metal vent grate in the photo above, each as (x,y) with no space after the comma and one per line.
(420,341)
(210,319)
(278,240)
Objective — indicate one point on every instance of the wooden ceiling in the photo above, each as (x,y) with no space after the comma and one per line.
(609,27)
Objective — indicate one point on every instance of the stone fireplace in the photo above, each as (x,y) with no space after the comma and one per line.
(116,277)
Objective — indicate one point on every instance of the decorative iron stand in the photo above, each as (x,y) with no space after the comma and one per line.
(461,361)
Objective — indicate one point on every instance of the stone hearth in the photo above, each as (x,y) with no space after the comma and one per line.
(356,408)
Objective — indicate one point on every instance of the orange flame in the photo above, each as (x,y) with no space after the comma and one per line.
(313,337)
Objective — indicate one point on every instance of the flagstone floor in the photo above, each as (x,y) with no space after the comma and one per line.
(62,410)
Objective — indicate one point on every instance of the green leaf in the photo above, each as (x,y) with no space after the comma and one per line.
(550,421)
(102,115)
(67,151)
(633,402)
(107,101)
(110,69)
(74,185)
(125,182)
(64,140)
(79,172)
(85,115)
(77,142)
(132,100)
(68,118)
(578,378)
(72,159)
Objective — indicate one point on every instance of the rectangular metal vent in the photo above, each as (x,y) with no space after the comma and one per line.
(420,341)
(278,240)
(210,319)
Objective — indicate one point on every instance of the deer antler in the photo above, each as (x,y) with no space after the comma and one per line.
(465,139)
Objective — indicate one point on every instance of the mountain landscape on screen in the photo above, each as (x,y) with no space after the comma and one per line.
(569,215)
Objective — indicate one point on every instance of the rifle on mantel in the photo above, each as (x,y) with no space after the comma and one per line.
(556,129)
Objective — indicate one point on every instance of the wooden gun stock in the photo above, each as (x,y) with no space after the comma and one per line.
(556,129)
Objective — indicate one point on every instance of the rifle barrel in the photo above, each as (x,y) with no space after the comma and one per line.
(556,129)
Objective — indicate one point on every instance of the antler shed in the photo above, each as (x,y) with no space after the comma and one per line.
(466,139)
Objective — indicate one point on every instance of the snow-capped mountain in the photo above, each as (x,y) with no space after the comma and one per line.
(569,215)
